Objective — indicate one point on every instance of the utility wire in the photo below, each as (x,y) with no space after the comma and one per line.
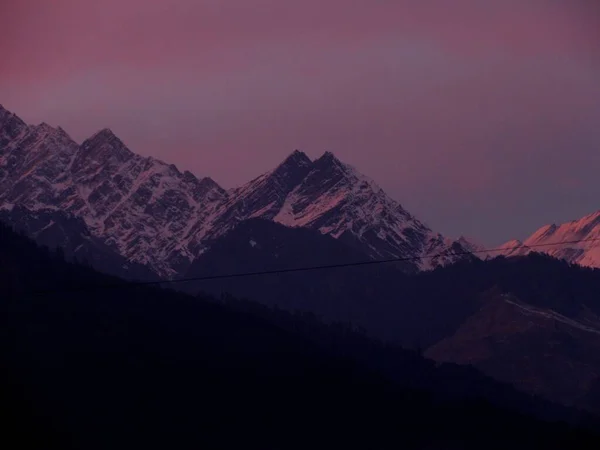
(128,284)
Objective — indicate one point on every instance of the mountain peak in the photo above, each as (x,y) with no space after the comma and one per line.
(329,163)
(103,134)
(49,130)
(45,127)
(102,147)
(589,221)
(297,158)
(61,131)
(470,244)
(5,112)
(189,176)
(159,216)
(329,156)
(105,137)
(209,183)
(10,124)
(292,170)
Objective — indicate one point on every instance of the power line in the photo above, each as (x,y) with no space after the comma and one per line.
(127,284)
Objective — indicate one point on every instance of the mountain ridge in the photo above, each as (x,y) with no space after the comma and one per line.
(153,214)
(576,241)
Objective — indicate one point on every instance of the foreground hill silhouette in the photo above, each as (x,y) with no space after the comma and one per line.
(532,321)
(140,367)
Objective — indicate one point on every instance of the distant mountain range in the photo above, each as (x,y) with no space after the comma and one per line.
(152,214)
(531,320)
(578,241)
(157,220)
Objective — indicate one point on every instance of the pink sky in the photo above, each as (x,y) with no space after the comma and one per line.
(481,117)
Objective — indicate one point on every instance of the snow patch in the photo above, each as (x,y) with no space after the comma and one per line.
(552,315)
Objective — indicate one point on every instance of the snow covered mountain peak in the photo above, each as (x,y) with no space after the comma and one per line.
(577,241)
(291,170)
(4,112)
(514,247)
(207,182)
(106,140)
(330,162)
(329,156)
(104,134)
(11,127)
(296,159)
(336,199)
(46,127)
(471,245)
(151,213)
(102,152)
(49,131)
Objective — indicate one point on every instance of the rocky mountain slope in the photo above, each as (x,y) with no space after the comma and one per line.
(140,207)
(577,241)
(152,214)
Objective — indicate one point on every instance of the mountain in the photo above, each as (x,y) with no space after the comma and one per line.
(516,319)
(140,207)
(335,199)
(536,349)
(366,296)
(142,367)
(532,321)
(152,214)
(58,230)
(578,241)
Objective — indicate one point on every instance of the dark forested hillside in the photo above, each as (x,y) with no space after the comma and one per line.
(141,367)
(536,324)
(57,229)
(531,321)
(366,296)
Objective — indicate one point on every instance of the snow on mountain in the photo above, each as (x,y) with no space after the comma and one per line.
(335,199)
(513,247)
(577,241)
(472,245)
(153,214)
(141,207)
(264,196)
